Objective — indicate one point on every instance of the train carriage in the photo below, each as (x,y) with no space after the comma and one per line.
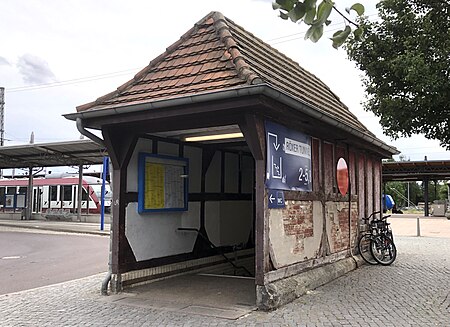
(53,194)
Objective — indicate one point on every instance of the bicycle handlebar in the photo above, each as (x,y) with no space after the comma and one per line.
(374,213)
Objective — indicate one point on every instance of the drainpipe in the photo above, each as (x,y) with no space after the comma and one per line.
(104,290)
(88,134)
(96,139)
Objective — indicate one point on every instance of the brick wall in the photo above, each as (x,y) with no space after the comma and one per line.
(298,222)
(338,228)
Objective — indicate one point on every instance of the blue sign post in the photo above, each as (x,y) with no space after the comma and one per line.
(104,173)
(288,159)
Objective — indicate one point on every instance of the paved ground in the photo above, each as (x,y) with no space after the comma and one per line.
(406,225)
(414,291)
(29,260)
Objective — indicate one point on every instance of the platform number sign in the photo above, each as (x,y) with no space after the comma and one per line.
(288,164)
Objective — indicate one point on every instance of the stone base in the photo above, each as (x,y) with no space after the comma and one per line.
(278,293)
(116,283)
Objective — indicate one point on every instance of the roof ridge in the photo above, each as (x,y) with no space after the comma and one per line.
(287,58)
(244,70)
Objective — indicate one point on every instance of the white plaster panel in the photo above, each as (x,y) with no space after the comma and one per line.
(312,244)
(236,220)
(194,155)
(142,145)
(281,246)
(231,173)
(192,219)
(248,174)
(330,212)
(212,221)
(168,149)
(228,222)
(155,235)
(212,182)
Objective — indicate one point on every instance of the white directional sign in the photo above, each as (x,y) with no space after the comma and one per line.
(276,199)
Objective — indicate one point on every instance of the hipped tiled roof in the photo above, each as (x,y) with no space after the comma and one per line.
(217,54)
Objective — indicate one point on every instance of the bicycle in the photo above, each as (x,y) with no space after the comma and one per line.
(376,245)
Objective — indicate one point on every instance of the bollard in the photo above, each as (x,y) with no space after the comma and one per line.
(418,226)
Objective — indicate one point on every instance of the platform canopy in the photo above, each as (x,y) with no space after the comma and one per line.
(416,170)
(68,153)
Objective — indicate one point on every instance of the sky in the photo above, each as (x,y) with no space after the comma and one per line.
(56,55)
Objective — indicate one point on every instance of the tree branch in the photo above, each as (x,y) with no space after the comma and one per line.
(348,20)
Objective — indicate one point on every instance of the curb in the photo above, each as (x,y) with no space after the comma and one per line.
(61,229)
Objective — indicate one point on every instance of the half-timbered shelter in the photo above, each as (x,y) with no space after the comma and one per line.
(222,144)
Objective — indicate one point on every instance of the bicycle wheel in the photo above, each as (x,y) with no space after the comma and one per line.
(364,249)
(383,250)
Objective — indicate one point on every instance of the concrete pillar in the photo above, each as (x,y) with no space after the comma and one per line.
(29,207)
(80,191)
(425,196)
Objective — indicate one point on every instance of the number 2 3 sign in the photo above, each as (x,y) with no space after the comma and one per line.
(288,165)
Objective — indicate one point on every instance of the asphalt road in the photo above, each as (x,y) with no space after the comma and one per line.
(29,260)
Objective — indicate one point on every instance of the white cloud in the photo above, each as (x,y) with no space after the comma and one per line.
(35,70)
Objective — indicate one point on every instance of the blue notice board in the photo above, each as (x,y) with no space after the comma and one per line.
(162,183)
(288,164)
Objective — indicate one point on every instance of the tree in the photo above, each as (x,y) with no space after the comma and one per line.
(405,60)
(403,56)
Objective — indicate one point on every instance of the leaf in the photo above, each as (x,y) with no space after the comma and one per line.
(340,36)
(323,12)
(327,22)
(310,11)
(359,8)
(314,33)
(284,4)
(284,15)
(358,33)
(298,12)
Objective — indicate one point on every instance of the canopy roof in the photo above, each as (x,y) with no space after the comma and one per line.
(416,170)
(81,152)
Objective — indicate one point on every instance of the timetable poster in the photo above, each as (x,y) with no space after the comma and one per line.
(162,183)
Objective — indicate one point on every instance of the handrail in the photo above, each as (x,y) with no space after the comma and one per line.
(215,248)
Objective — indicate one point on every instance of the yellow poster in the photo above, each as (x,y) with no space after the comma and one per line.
(154,186)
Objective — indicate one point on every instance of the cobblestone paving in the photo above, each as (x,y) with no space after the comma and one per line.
(414,291)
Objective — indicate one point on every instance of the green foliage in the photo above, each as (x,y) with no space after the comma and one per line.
(316,16)
(437,190)
(399,192)
(406,64)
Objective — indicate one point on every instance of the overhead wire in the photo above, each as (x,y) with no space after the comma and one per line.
(71,81)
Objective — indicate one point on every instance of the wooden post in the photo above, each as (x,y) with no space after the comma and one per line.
(120,145)
(253,129)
